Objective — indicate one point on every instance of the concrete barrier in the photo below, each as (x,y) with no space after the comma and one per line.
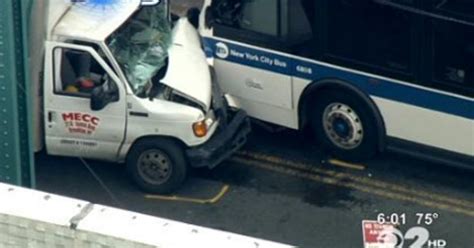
(30,218)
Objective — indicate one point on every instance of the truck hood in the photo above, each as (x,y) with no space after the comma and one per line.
(188,72)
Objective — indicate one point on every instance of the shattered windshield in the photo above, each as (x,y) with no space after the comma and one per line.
(140,45)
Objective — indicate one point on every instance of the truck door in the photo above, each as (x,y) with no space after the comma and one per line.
(72,128)
(248,49)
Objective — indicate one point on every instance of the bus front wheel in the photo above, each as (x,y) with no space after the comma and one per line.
(344,125)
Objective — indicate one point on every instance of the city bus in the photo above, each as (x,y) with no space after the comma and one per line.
(363,76)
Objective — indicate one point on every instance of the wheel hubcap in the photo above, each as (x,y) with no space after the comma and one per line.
(154,166)
(342,126)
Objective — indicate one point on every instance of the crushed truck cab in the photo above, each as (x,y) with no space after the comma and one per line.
(124,84)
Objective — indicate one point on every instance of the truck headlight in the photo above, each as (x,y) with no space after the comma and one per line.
(201,128)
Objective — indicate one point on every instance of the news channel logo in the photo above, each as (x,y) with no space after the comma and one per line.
(414,237)
(104,3)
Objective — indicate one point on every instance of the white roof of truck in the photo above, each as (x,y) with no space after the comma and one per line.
(94,22)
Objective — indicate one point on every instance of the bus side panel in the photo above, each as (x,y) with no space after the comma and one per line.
(410,112)
(265,95)
(427,127)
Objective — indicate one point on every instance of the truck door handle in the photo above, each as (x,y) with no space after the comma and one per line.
(50,116)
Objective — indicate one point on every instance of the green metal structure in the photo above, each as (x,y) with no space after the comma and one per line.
(16,152)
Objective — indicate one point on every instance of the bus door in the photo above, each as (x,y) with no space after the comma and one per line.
(249,47)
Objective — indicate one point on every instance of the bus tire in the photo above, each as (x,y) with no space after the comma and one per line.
(344,125)
(157,165)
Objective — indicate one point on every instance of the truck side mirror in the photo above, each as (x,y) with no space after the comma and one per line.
(193,16)
(102,95)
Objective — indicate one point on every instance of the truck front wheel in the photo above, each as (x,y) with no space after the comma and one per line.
(157,165)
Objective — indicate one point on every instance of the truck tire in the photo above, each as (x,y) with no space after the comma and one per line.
(157,165)
(344,125)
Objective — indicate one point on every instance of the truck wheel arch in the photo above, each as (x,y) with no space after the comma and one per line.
(124,154)
(154,137)
(334,84)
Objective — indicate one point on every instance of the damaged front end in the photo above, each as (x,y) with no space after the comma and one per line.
(152,55)
(140,46)
(168,63)
(222,144)
(231,135)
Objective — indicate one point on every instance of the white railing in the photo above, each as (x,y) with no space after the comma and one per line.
(30,218)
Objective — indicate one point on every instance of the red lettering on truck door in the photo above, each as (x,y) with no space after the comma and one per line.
(80,123)
(68,116)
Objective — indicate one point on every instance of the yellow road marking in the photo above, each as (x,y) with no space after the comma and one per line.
(346,164)
(213,200)
(336,182)
(341,175)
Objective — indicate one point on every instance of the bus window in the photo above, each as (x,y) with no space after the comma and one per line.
(253,20)
(283,26)
(369,35)
(457,8)
(453,53)
(226,12)
(300,26)
(292,24)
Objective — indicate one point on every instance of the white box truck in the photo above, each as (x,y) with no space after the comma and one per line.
(119,81)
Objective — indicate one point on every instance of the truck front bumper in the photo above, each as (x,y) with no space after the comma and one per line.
(222,144)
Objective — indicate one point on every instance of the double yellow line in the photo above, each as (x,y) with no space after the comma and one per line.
(368,185)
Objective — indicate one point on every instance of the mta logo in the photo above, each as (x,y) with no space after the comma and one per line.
(222,51)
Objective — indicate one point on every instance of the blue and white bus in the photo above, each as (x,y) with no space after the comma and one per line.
(362,75)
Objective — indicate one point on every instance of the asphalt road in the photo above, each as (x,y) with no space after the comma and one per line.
(282,188)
